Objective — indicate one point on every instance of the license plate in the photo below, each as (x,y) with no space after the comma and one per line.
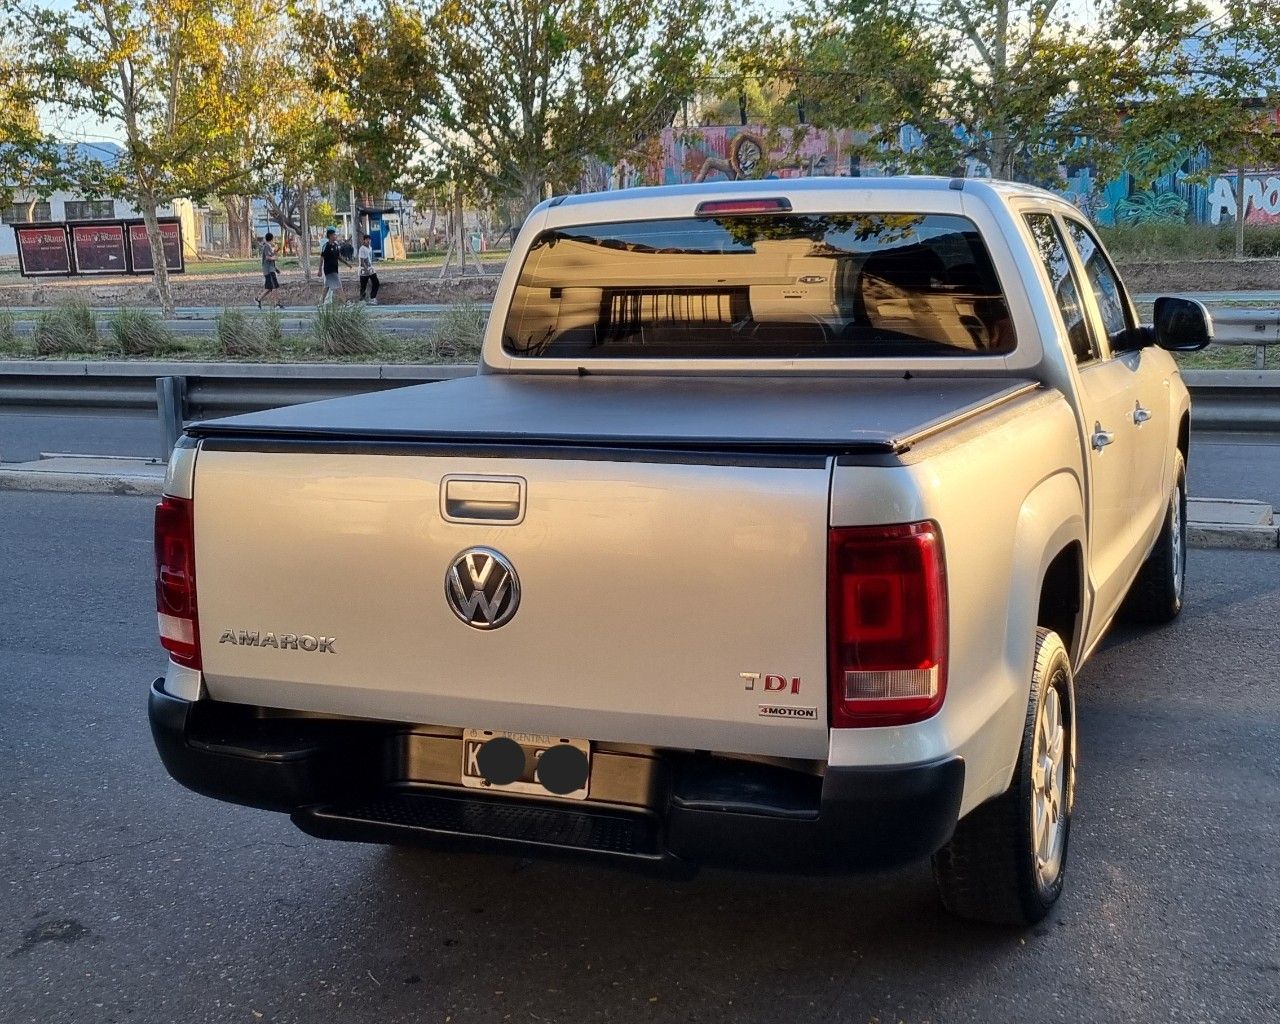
(534,746)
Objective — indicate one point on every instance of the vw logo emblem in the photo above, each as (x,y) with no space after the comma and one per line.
(482,588)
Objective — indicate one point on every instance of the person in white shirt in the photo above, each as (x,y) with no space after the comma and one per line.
(368,276)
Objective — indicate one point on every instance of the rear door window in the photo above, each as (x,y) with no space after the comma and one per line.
(1066,289)
(783,285)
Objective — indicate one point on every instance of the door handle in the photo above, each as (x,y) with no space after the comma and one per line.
(1101,438)
(1140,415)
(482,499)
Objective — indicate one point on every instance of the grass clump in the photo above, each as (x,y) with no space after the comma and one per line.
(242,336)
(10,343)
(67,329)
(346,330)
(139,332)
(460,332)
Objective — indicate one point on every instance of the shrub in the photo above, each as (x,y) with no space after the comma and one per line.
(346,330)
(139,332)
(66,329)
(459,332)
(241,336)
(1179,241)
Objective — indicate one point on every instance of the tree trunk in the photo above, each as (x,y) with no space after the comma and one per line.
(461,228)
(304,235)
(239,228)
(159,264)
(1241,204)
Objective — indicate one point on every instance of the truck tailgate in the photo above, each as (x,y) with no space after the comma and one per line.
(670,601)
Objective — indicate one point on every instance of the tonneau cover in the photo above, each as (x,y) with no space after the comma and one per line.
(774,413)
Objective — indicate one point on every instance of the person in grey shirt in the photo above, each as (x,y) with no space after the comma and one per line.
(270,271)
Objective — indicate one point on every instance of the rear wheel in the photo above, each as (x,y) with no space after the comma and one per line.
(1156,594)
(1006,862)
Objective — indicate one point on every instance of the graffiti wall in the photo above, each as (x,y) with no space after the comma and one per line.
(729,152)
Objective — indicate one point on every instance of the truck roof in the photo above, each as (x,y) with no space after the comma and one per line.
(896,186)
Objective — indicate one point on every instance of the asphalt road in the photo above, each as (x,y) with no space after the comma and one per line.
(127,898)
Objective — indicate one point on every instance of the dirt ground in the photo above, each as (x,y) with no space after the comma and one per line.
(408,285)
(1202,275)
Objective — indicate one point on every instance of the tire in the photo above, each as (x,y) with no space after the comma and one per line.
(1156,594)
(994,869)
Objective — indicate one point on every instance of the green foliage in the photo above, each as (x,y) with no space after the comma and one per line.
(29,160)
(67,329)
(460,332)
(1017,85)
(241,336)
(346,330)
(512,96)
(139,332)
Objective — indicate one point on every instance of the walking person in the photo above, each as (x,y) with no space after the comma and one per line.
(368,276)
(330,257)
(270,271)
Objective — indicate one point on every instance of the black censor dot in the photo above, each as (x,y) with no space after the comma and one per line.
(562,769)
(500,760)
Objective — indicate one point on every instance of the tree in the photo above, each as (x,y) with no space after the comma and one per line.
(150,71)
(871,68)
(1217,93)
(508,96)
(30,162)
(1020,86)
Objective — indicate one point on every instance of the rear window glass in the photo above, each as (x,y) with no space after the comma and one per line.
(782,286)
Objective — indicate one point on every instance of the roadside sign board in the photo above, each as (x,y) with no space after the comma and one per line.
(140,256)
(98,248)
(42,250)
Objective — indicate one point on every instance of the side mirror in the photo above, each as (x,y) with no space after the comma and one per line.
(1182,325)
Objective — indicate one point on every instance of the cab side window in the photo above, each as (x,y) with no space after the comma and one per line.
(1107,289)
(1066,290)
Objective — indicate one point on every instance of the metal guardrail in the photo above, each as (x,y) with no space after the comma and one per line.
(181,392)
(1233,400)
(1242,326)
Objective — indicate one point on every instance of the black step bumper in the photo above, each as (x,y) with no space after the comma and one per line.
(332,777)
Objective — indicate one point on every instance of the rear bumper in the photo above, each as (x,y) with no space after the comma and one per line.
(336,780)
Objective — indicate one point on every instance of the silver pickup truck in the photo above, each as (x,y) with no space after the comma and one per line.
(769,534)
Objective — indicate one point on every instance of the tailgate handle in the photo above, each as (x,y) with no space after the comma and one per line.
(482,499)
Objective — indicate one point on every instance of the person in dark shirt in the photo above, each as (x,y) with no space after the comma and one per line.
(330,257)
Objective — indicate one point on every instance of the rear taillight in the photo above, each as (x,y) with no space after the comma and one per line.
(176,581)
(886,623)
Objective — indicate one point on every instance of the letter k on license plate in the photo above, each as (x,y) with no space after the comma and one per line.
(573,770)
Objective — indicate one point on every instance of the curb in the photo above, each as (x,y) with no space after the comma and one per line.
(1226,535)
(81,483)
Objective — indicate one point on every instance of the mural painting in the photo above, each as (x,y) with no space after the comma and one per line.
(1184,193)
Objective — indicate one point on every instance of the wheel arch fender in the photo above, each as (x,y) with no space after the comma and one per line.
(1050,533)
